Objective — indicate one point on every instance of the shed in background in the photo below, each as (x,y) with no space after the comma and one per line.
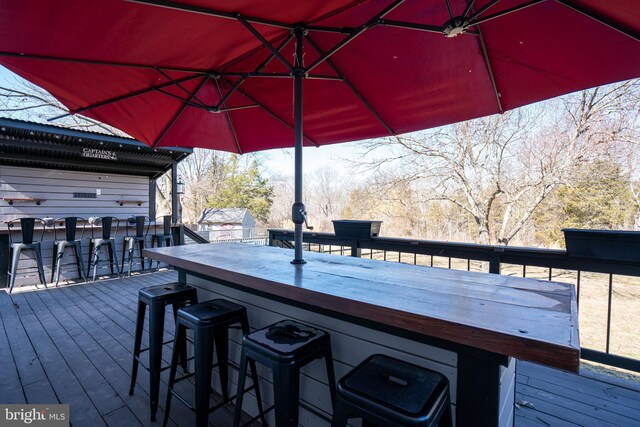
(226,223)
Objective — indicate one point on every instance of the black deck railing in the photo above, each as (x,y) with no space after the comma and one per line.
(493,257)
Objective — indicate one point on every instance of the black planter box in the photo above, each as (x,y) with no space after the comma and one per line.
(356,229)
(610,245)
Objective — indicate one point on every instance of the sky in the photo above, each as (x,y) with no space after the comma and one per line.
(278,162)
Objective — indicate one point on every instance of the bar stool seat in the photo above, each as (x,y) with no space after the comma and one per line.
(387,391)
(210,322)
(285,347)
(158,298)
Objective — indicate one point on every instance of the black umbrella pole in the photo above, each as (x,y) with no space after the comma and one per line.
(298,210)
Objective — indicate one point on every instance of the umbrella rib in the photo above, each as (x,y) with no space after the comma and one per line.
(449,9)
(411,26)
(99,62)
(599,19)
(251,53)
(506,12)
(282,76)
(240,107)
(268,110)
(468,8)
(355,33)
(338,11)
(279,48)
(485,54)
(229,92)
(122,97)
(182,88)
(482,9)
(173,95)
(353,89)
(265,43)
(230,121)
(212,12)
(178,113)
(323,29)
(233,16)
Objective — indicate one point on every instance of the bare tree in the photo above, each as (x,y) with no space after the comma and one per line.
(327,190)
(26,101)
(202,173)
(499,169)
(283,197)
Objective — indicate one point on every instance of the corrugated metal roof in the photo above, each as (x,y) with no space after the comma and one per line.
(44,146)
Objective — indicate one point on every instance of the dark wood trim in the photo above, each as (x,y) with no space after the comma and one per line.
(487,356)
(152,198)
(174,193)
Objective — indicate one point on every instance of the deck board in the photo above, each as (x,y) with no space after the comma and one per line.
(73,344)
(551,397)
(63,380)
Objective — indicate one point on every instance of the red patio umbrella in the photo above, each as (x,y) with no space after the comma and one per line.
(231,75)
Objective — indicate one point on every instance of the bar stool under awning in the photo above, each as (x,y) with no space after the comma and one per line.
(27,228)
(69,225)
(131,241)
(106,239)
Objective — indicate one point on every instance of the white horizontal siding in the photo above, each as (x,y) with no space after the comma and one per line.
(350,343)
(57,187)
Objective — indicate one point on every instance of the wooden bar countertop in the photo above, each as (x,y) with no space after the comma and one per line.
(529,319)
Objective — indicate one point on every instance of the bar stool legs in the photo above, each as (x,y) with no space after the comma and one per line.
(128,250)
(95,248)
(58,254)
(157,298)
(210,322)
(286,390)
(14,255)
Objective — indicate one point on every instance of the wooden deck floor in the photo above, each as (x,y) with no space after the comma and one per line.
(549,397)
(73,344)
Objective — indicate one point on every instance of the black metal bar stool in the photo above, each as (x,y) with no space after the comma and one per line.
(285,347)
(27,228)
(210,322)
(60,245)
(164,239)
(387,391)
(158,298)
(107,239)
(131,241)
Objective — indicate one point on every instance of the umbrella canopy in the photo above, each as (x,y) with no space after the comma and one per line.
(229,75)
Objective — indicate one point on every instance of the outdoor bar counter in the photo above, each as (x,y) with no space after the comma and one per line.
(469,326)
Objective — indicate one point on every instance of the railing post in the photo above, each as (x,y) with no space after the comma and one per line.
(270,241)
(178,234)
(355,250)
(494,260)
